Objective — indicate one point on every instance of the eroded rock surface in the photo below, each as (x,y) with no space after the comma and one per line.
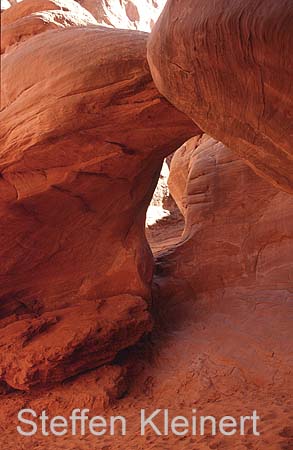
(59,344)
(127,14)
(81,151)
(232,271)
(180,166)
(83,138)
(228,65)
(30,17)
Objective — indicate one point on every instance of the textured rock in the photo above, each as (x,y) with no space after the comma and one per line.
(83,137)
(57,345)
(252,221)
(179,169)
(26,8)
(81,151)
(231,274)
(99,388)
(228,65)
(27,19)
(127,14)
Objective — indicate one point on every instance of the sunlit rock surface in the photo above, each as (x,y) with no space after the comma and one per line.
(129,14)
(126,14)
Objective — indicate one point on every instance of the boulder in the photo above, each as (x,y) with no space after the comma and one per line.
(44,349)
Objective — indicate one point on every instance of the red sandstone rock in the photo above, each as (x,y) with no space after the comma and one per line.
(26,8)
(228,65)
(81,149)
(56,345)
(39,21)
(129,14)
(231,275)
(98,389)
(180,166)
(84,135)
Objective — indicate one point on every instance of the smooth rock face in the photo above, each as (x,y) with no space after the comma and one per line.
(233,269)
(81,151)
(179,170)
(228,65)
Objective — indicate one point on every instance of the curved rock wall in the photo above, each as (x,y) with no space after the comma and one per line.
(228,65)
(81,151)
(233,267)
(179,170)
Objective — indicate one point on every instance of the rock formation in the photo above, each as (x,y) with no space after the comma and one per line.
(228,65)
(223,299)
(178,176)
(233,268)
(88,318)
(30,17)
(81,150)
(127,14)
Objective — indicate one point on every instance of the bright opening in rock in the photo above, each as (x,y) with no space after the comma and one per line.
(164,221)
